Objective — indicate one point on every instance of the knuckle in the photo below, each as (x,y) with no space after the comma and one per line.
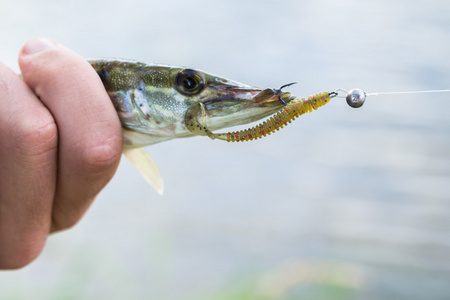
(102,156)
(35,135)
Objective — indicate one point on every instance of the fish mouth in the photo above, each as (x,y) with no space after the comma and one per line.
(242,106)
(235,106)
(271,97)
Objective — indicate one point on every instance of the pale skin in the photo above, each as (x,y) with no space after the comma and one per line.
(61,143)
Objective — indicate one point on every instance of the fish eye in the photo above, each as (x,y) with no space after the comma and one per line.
(189,82)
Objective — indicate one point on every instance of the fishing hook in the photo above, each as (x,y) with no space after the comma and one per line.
(278,92)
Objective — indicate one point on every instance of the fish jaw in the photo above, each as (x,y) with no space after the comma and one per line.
(241,107)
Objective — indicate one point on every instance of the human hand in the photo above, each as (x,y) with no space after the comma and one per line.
(61,143)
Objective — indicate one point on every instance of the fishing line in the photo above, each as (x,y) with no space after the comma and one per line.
(412,92)
(356,97)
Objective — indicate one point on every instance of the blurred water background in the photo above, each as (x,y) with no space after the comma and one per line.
(342,204)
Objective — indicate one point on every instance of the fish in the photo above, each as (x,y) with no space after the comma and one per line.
(154,102)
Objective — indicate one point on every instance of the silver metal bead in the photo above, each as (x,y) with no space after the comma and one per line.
(355,98)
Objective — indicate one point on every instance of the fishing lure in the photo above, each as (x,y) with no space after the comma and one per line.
(355,98)
(286,115)
(295,108)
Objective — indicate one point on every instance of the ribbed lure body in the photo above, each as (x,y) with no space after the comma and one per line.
(196,119)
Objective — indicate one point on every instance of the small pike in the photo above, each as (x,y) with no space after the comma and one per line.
(152,101)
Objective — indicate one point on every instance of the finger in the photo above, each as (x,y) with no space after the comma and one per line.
(90,138)
(28,154)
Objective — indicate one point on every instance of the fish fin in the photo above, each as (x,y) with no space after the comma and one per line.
(145,164)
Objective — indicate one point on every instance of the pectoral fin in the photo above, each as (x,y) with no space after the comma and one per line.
(145,164)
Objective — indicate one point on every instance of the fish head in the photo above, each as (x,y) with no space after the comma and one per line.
(152,100)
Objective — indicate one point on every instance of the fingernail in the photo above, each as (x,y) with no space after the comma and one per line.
(36,45)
